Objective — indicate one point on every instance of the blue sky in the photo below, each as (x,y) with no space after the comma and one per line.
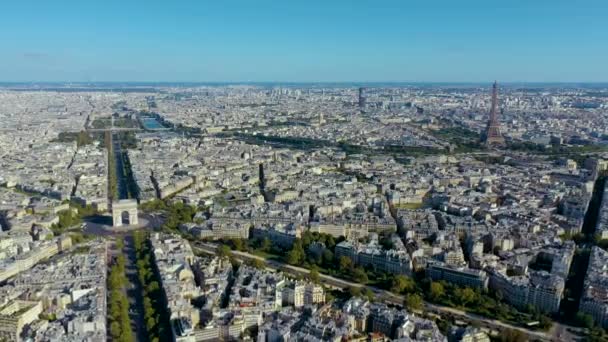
(302,41)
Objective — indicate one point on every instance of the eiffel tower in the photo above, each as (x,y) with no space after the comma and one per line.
(493,135)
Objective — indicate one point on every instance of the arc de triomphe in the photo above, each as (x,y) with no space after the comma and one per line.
(119,207)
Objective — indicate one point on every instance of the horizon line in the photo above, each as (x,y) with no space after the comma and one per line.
(301,82)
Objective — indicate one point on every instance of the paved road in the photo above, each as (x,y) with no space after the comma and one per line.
(121,178)
(134,290)
(386,295)
(133,286)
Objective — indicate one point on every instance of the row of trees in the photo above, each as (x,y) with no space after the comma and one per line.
(365,292)
(300,253)
(416,291)
(112,178)
(480,302)
(224,250)
(317,259)
(176,213)
(118,304)
(595,332)
(156,316)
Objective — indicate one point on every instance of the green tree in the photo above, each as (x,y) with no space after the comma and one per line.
(156,316)
(413,301)
(224,251)
(138,241)
(585,320)
(115,330)
(307,238)
(401,284)
(596,334)
(314,276)
(258,263)
(369,294)
(330,241)
(354,291)
(153,287)
(150,323)
(266,245)
(293,257)
(113,311)
(327,257)
(127,334)
(359,275)
(147,306)
(545,322)
(115,279)
(436,291)
(120,262)
(238,244)
(345,263)
(297,254)
(531,309)
(465,295)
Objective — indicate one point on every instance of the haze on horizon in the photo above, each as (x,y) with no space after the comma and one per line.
(305,41)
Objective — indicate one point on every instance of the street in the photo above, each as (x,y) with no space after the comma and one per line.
(393,298)
(132,288)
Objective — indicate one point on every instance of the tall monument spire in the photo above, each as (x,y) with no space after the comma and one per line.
(493,135)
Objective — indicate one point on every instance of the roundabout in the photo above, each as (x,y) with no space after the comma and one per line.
(102,225)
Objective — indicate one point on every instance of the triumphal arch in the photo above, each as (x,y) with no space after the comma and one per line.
(124,212)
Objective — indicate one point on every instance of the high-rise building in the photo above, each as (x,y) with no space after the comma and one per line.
(493,135)
(361,98)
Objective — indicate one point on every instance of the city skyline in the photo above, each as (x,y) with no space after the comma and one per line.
(198,171)
(303,42)
(382,208)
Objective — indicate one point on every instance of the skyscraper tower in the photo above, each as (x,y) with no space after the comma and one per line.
(493,135)
(361,98)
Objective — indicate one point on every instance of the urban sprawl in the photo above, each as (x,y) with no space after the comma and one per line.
(303,213)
